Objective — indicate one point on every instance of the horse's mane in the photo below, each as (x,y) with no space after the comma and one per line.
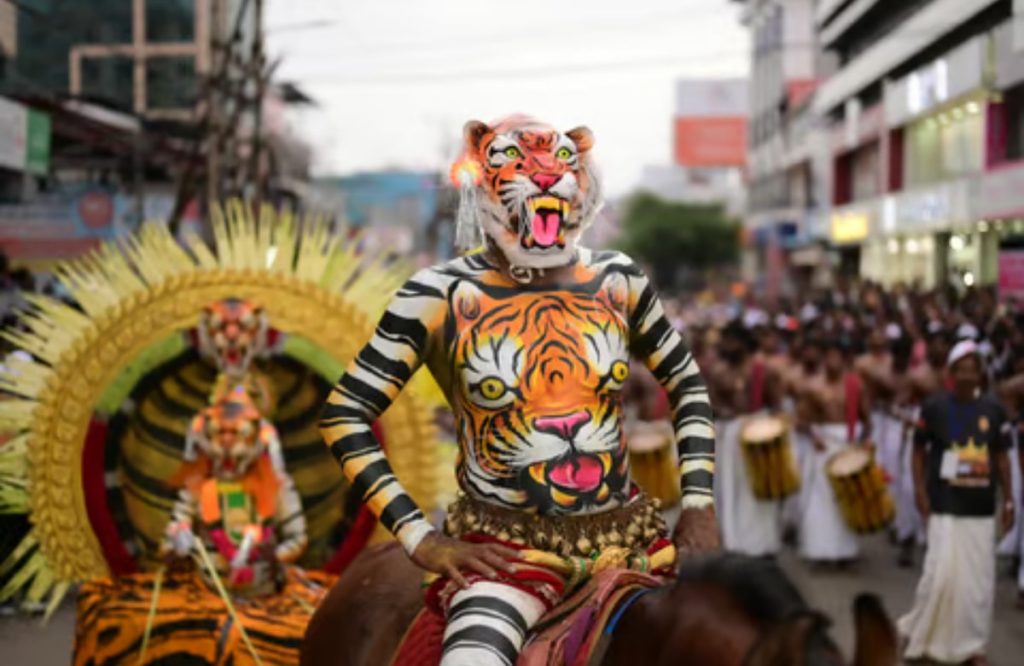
(763,590)
(758,585)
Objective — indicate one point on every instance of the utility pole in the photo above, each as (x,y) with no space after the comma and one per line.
(259,60)
(215,78)
(227,94)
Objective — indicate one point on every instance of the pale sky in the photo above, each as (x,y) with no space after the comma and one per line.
(396,79)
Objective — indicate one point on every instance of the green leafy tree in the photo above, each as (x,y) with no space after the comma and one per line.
(678,240)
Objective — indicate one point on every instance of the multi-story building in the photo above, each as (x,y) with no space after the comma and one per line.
(922,106)
(910,147)
(153,108)
(147,57)
(784,211)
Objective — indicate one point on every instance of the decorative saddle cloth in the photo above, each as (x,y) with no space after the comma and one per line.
(190,623)
(573,633)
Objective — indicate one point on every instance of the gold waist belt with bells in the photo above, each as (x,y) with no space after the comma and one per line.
(573,545)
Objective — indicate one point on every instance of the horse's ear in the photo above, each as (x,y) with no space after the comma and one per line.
(783,644)
(877,642)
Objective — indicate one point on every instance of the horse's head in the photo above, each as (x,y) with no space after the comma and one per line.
(732,610)
(803,640)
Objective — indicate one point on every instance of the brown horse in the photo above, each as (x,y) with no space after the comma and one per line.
(723,610)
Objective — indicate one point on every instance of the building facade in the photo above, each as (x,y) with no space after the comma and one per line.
(147,57)
(784,209)
(917,120)
(919,107)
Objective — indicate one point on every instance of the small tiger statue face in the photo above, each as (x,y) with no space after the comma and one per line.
(232,332)
(539,398)
(539,188)
(231,433)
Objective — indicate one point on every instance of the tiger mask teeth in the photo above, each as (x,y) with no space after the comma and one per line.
(545,224)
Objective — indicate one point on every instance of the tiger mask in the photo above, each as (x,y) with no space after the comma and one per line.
(540,391)
(231,434)
(232,333)
(537,188)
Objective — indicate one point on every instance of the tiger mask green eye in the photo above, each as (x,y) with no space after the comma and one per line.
(492,388)
(512,152)
(563,153)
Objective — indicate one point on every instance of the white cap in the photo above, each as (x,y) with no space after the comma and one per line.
(961,350)
(893,331)
(754,318)
(808,312)
(967,332)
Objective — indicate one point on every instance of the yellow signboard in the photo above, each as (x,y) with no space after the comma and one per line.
(850,227)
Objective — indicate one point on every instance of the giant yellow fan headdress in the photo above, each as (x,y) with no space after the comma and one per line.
(316,289)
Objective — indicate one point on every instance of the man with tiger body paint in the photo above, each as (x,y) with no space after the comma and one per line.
(531,341)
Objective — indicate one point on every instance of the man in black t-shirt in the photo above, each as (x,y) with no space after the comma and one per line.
(960,456)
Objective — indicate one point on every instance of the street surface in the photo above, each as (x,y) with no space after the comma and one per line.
(23,642)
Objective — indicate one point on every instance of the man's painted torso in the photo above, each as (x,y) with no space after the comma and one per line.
(534,375)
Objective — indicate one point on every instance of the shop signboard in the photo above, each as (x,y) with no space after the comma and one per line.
(12,134)
(24,138)
(852,224)
(931,208)
(1011,272)
(711,142)
(849,227)
(1001,192)
(37,142)
(711,123)
(59,225)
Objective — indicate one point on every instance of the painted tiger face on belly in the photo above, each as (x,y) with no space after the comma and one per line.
(539,376)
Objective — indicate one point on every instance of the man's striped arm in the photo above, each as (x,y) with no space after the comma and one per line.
(665,352)
(370,383)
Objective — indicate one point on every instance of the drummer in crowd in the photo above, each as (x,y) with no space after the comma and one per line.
(805,354)
(960,455)
(832,413)
(890,386)
(741,384)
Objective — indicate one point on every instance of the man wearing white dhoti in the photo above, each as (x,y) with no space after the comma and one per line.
(740,385)
(832,414)
(874,366)
(804,367)
(890,386)
(960,454)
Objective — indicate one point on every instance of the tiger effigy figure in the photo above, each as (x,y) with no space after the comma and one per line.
(531,340)
(235,498)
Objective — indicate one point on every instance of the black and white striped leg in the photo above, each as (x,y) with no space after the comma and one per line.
(487,625)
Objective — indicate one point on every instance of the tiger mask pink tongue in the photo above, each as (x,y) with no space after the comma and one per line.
(545,227)
(582,474)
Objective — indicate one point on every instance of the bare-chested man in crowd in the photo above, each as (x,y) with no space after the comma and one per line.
(928,378)
(771,348)
(833,413)
(892,390)
(741,384)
